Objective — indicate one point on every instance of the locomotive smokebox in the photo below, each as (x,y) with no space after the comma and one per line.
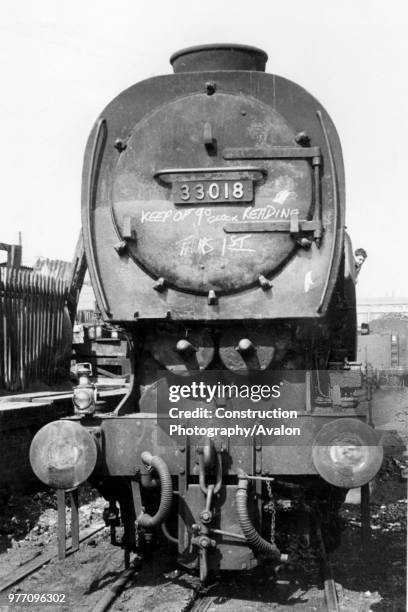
(221,56)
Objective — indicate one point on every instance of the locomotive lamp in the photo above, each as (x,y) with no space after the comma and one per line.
(85,394)
(84,400)
(63,454)
(347,453)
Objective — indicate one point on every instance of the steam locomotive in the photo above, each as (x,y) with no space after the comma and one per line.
(213,211)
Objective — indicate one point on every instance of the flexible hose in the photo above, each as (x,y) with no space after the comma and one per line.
(168,535)
(166,493)
(249,531)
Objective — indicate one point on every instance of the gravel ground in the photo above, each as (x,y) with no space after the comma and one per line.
(28,521)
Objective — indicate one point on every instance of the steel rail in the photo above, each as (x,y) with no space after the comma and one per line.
(118,586)
(330,591)
(202,604)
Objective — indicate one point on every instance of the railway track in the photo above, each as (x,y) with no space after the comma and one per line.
(325,599)
(217,598)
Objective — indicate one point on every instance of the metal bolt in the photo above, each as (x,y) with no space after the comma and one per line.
(120,247)
(182,449)
(160,285)
(119,145)
(264,282)
(305,243)
(303,139)
(258,448)
(210,87)
(206,516)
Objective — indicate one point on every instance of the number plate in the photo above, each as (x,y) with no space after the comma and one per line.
(212,192)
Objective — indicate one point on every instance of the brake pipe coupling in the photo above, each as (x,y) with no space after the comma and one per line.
(254,539)
(166,492)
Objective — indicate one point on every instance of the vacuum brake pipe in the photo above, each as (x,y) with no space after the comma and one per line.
(252,536)
(166,494)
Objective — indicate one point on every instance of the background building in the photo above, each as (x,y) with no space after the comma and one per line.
(385,346)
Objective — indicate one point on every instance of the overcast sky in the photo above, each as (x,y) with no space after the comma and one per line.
(63,61)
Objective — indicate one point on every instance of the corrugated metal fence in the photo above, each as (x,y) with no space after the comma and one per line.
(31,327)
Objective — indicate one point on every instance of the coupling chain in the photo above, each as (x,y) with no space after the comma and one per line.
(271,509)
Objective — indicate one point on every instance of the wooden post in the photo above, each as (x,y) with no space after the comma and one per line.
(62,525)
(365,516)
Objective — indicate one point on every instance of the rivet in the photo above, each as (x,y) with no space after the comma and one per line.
(243,113)
(182,449)
(210,87)
(303,139)
(258,448)
(119,145)
(258,470)
(182,470)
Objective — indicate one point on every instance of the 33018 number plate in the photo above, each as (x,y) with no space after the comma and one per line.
(212,192)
